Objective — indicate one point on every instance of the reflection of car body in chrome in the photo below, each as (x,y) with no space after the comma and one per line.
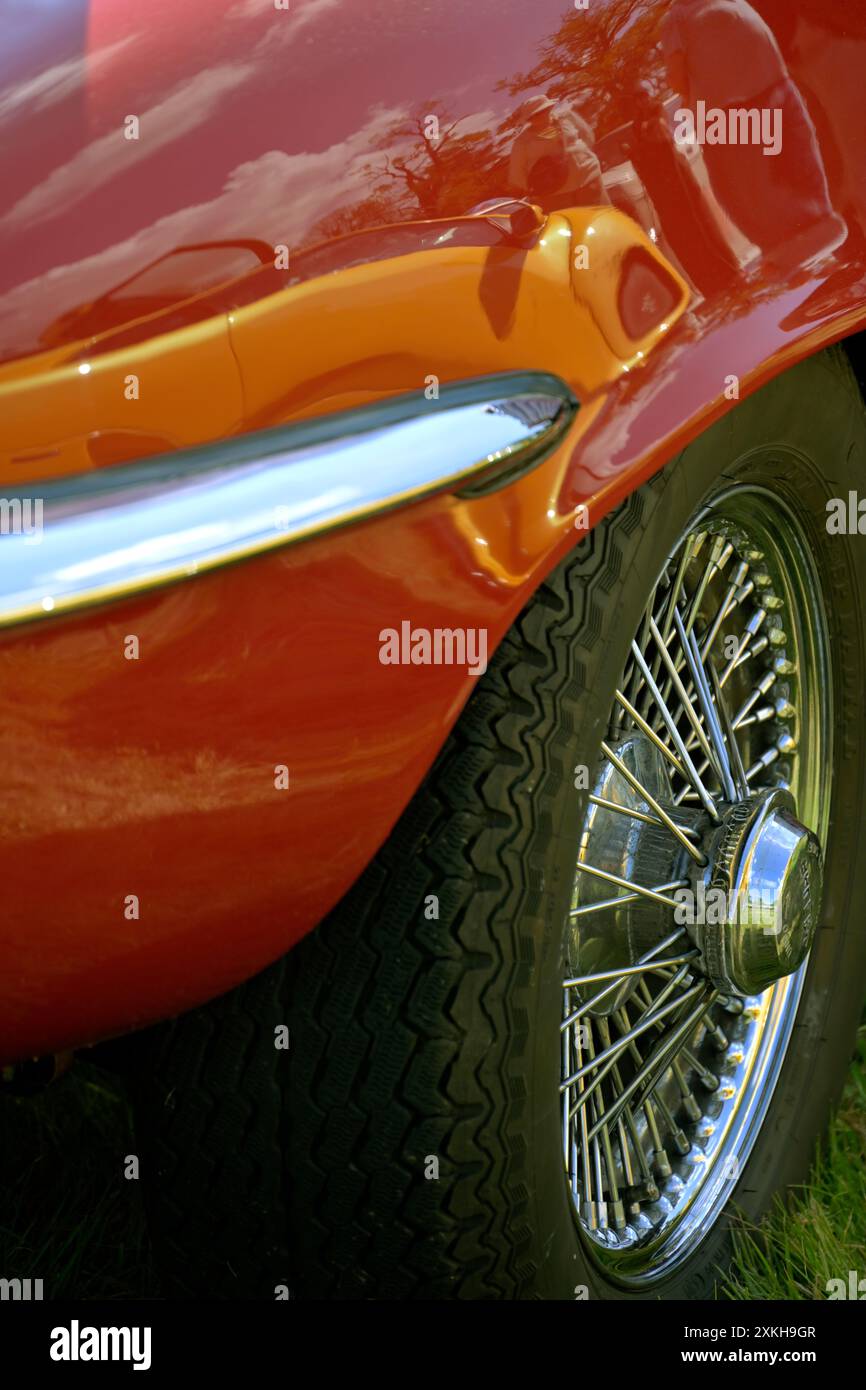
(411,421)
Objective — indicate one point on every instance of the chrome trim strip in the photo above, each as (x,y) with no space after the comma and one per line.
(122,530)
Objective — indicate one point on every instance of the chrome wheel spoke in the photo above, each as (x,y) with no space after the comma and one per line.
(659,1058)
(649,1021)
(673,731)
(663,945)
(735,760)
(622,972)
(699,678)
(654,805)
(634,814)
(685,703)
(634,890)
(651,734)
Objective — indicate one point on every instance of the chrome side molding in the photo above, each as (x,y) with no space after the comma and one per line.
(123,530)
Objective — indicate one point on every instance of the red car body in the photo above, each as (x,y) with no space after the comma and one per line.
(154,777)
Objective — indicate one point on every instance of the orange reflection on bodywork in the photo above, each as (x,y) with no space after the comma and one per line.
(349,334)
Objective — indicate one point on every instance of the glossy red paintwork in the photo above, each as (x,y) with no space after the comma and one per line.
(155,777)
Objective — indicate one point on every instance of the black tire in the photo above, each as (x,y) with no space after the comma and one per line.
(414,1039)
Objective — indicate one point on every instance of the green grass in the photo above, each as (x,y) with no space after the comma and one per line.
(819,1233)
(69,1217)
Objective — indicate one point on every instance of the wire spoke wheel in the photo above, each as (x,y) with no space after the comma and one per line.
(697,886)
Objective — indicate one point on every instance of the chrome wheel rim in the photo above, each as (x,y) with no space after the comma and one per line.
(697,886)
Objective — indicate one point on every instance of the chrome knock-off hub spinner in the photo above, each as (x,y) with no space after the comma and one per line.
(749,893)
(759,897)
